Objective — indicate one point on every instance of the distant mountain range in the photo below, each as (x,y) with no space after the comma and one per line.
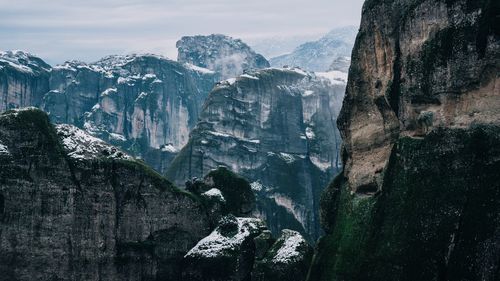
(318,55)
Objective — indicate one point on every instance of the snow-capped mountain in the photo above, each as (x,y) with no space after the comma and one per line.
(319,55)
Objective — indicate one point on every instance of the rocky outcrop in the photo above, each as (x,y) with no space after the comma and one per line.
(242,249)
(24,79)
(75,208)
(419,195)
(226,254)
(318,55)
(276,128)
(288,259)
(145,104)
(227,56)
(223,193)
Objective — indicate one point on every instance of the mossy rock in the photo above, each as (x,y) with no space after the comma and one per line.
(437,217)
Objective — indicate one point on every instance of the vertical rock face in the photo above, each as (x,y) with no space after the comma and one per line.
(145,104)
(227,56)
(275,127)
(75,208)
(24,79)
(426,64)
(419,197)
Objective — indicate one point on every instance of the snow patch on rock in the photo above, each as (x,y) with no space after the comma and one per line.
(288,158)
(198,68)
(214,193)
(249,76)
(289,250)
(80,145)
(322,165)
(169,148)
(256,186)
(218,245)
(3,149)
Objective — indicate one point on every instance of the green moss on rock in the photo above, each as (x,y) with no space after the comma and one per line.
(437,217)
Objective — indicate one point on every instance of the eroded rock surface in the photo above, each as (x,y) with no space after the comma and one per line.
(419,197)
(145,104)
(425,64)
(75,208)
(276,128)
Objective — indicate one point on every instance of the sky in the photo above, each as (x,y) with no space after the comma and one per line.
(60,30)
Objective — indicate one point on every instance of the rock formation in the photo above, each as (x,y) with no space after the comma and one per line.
(227,56)
(242,249)
(145,104)
(24,79)
(276,128)
(75,208)
(419,196)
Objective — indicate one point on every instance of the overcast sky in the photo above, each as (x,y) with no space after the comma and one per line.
(58,30)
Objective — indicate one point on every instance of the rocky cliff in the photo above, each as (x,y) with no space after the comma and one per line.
(419,196)
(24,79)
(227,56)
(145,104)
(275,127)
(75,208)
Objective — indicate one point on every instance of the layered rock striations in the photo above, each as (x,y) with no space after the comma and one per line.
(419,196)
(24,79)
(75,208)
(145,104)
(275,127)
(227,56)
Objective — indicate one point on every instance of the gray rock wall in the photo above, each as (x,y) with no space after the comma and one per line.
(276,127)
(69,215)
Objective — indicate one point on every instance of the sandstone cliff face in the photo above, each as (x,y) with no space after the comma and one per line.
(419,197)
(275,127)
(75,208)
(425,64)
(227,56)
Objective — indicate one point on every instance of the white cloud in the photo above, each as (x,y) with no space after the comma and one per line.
(89,29)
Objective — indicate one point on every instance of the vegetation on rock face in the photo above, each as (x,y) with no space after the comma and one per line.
(113,214)
(420,124)
(237,197)
(438,192)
